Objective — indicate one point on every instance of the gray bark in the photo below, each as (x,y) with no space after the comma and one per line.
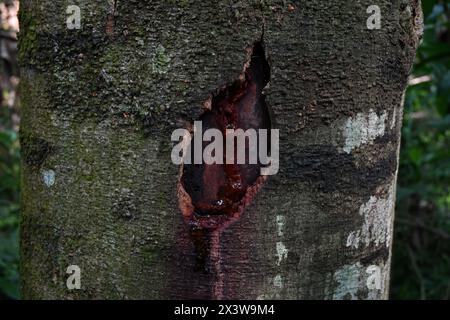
(99,189)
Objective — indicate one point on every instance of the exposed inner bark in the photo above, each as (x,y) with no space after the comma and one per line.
(211,194)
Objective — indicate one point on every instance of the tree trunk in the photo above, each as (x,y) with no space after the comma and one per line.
(99,189)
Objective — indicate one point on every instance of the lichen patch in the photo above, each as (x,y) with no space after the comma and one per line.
(362,129)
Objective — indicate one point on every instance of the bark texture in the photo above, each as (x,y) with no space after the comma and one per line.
(99,106)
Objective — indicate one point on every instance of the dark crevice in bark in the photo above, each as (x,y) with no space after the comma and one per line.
(376,256)
(328,170)
(35,150)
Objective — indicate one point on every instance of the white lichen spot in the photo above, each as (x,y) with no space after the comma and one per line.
(377,213)
(374,279)
(282,252)
(377,226)
(278,281)
(48,176)
(358,282)
(353,239)
(349,280)
(377,280)
(362,129)
(281,220)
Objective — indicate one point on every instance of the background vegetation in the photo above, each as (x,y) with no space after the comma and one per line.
(421,258)
(9,152)
(421,267)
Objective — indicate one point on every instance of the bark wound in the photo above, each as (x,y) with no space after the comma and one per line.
(213,196)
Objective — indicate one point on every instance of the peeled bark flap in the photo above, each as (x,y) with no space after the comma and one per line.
(99,189)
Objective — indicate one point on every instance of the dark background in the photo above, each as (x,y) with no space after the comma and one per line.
(421,256)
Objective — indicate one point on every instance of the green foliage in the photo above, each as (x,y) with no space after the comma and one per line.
(421,267)
(9,213)
(9,159)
